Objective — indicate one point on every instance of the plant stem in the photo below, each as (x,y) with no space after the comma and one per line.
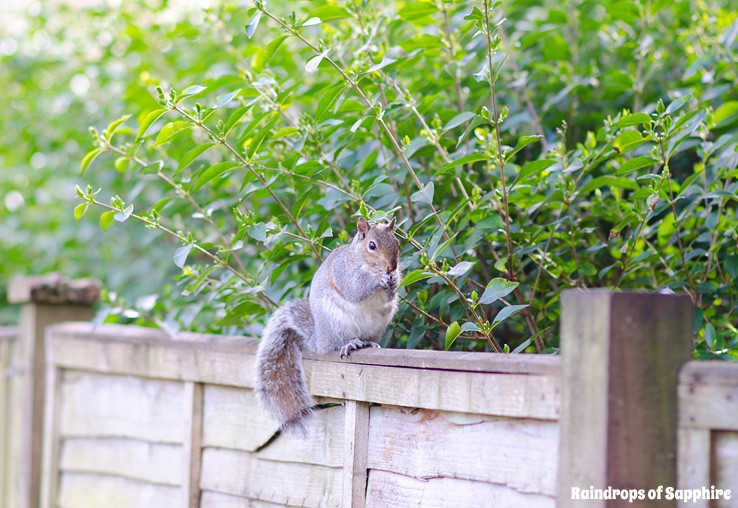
(256,174)
(500,162)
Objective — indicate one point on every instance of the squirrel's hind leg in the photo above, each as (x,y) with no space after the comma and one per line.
(355,344)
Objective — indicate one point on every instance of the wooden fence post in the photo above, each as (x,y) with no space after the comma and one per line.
(621,353)
(45,300)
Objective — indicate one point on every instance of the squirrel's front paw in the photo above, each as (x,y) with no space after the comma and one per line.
(356,344)
(388,280)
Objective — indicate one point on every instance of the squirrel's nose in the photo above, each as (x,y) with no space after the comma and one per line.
(391,268)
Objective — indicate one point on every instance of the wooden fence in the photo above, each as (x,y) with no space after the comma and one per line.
(133,418)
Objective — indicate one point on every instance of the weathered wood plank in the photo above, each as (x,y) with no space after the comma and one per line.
(215,362)
(98,405)
(693,461)
(621,354)
(6,343)
(50,450)
(110,334)
(708,395)
(517,453)
(192,448)
(500,394)
(355,454)
(129,458)
(100,491)
(514,395)
(244,474)
(451,360)
(725,462)
(220,500)
(233,419)
(387,489)
(8,333)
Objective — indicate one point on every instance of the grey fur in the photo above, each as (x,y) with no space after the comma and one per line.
(352,301)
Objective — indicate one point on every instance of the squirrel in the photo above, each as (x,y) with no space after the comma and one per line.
(351,302)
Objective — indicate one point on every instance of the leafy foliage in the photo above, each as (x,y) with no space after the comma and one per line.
(524,148)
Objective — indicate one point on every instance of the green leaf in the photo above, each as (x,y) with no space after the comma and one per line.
(533,167)
(180,255)
(523,141)
(192,155)
(415,10)
(224,99)
(252,24)
(414,276)
(107,219)
(725,113)
(452,332)
(271,49)
(148,120)
(472,157)
(461,269)
(211,173)
(169,131)
(424,195)
(113,127)
(415,145)
(80,210)
(330,11)
(381,65)
(527,342)
(421,41)
(476,122)
(496,289)
(636,163)
(601,181)
(634,119)
(328,99)
(629,140)
(710,335)
(459,119)
(260,136)
(677,104)
(192,90)
(89,158)
(234,118)
(506,312)
(258,232)
(731,265)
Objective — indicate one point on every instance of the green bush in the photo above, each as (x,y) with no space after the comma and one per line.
(525,149)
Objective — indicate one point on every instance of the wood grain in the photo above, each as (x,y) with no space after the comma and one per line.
(621,354)
(96,405)
(355,454)
(129,458)
(725,460)
(244,474)
(397,491)
(192,446)
(693,461)
(517,453)
(514,395)
(100,491)
(220,500)
(232,418)
(708,395)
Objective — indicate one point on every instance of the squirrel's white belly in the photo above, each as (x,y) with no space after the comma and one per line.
(366,319)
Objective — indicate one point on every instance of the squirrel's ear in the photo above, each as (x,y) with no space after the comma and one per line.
(363,226)
(392,224)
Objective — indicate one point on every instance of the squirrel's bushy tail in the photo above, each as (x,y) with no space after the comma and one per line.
(281,386)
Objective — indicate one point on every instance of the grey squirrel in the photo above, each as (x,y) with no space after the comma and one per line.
(351,302)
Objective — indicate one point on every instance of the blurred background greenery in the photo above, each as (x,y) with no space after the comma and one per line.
(571,72)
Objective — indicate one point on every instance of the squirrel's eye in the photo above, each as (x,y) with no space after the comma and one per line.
(372,246)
